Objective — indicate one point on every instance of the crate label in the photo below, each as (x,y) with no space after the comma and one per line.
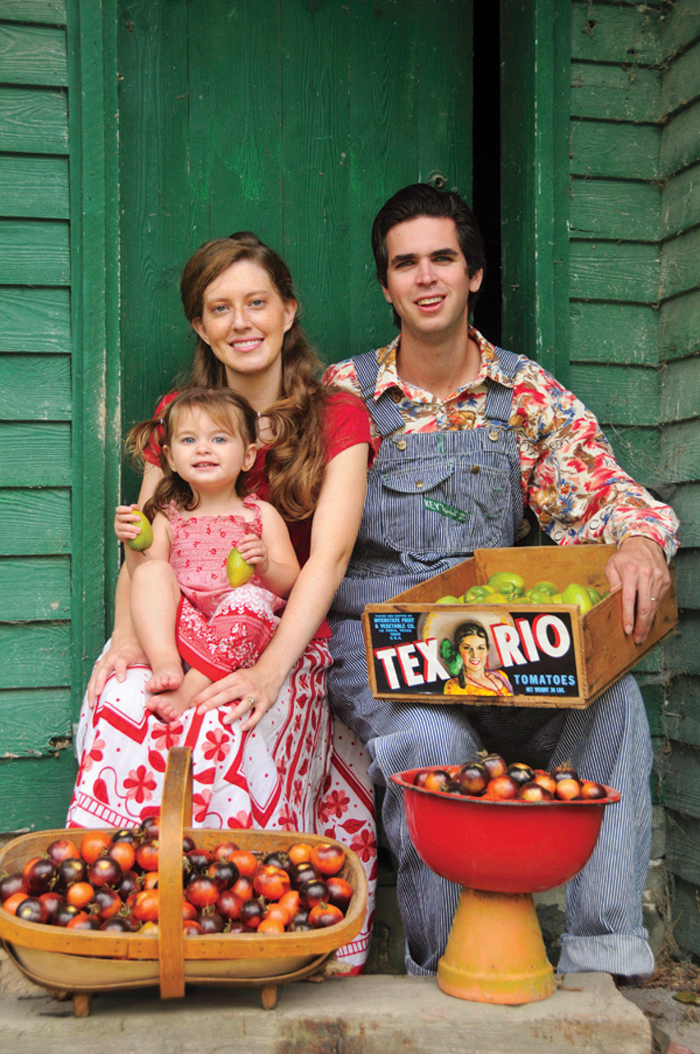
(474,653)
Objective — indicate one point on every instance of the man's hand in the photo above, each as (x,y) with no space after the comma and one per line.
(639,566)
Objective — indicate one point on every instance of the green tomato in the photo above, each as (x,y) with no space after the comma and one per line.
(538,596)
(576,594)
(555,598)
(238,570)
(449,599)
(499,598)
(546,587)
(594,595)
(477,594)
(507,582)
(144,539)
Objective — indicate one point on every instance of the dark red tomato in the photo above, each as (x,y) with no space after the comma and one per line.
(229,904)
(302,873)
(223,872)
(520,773)
(436,779)
(223,850)
(13,883)
(199,859)
(128,884)
(130,835)
(202,891)
(339,892)
(303,926)
(83,921)
(150,827)
(494,765)
(279,858)
(237,927)
(191,928)
(591,791)
(108,902)
(271,882)
(211,922)
(61,849)
(473,778)
(52,901)
(421,776)
(188,843)
(104,872)
(71,870)
(147,855)
(117,924)
(533,791)
(323,915)
(244,888)
(65,913)
(251,914)
(565,772)
(31,910)
(299,918)
(328,858)
(40,876)
(313,893)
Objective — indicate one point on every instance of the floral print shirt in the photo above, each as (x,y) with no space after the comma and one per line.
(570,477)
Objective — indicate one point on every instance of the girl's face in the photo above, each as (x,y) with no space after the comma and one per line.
(474,651)
(243,321)
(205,454)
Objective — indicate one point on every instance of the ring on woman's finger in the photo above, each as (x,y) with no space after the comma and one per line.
(249,699)
(654,600)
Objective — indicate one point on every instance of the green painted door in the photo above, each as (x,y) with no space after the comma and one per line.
(293,118)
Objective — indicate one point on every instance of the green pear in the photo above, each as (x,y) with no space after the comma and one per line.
(238,570)
(449,599)
(144,538)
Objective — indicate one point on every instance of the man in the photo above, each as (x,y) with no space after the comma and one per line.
(482,432)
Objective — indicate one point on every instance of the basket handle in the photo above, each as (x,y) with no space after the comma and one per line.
(175,815)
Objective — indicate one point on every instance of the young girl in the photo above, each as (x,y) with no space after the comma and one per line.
(199,513)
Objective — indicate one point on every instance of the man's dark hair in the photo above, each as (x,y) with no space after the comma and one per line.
(422,199)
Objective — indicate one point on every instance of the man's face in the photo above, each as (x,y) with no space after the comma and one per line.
(427,281)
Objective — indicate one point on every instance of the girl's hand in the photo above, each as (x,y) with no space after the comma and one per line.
(114,661)
(127,523)
(246,692)
(254,552)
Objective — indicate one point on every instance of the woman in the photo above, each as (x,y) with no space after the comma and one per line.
(471,641)
(265,750)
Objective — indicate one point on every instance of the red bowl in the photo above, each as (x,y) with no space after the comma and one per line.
(501,846)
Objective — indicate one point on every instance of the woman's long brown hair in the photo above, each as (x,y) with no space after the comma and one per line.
(296,457)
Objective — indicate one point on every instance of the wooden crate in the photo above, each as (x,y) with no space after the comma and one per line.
(77,963)
(551,654)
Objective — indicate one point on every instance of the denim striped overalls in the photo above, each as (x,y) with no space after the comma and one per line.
(432,498)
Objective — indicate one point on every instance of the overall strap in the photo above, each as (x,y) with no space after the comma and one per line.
(384,411)
(499,398)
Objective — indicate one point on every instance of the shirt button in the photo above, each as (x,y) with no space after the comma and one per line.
(397,395)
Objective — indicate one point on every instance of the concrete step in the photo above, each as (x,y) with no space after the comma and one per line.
(377,1014)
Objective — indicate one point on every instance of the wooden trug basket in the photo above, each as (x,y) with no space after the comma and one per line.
(74,964)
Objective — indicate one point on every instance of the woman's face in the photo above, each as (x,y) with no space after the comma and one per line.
(243,321)
(474,651)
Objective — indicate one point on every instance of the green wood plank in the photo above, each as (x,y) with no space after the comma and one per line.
(50,12)
(33,55)
(682,710)
(680,143)
(625,210)
(681,83)
(686,916)
(681,651)
(687,573)
(686,504)
(34,721)
(33,121)
(35,522)
(614,150)
(155,195)
(680,264)
(679,326)
(683,847)
(680,391)
(34,588)
(619,395)
(603,33)
(34,253)
(680,202)
(680,775)
(614,93)
(681,26)
(35,387)
(34,320)
(34,187)
(614,333)
(35,654)
(653,695)
(47,785)
(613,271)
(637,452)
(50,462)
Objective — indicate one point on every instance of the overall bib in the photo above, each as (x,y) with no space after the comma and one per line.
(432,498)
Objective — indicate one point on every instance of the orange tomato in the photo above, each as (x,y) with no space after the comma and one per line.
(299,853)
(245,861)
(80,894)
(277,911)
(328,858)
(146,905)
(13,902)
(94,844)
(270,926)
(124,853)
(290,901)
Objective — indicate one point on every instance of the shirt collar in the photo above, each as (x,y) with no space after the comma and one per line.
(388,378)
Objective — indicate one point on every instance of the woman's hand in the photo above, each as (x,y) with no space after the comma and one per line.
(114,661)
(247,691)
(639,567)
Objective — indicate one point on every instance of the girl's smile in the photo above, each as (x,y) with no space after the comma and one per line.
(207,455)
